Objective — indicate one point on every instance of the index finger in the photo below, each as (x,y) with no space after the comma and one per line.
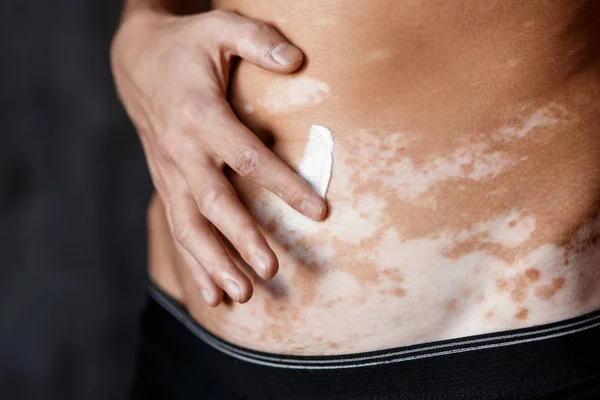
(243,151)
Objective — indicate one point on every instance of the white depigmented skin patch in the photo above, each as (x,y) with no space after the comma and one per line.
(364,217)
(476,160)
(518,230)
(287,94)
(544,117)
(509,230)
(379,54)
(411,181)
(423,268)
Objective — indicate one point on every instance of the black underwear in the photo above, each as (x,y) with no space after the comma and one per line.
(181,360)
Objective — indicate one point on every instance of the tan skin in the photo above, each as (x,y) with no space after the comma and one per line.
(464,195)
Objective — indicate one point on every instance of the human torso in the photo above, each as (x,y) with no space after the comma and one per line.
(465,185)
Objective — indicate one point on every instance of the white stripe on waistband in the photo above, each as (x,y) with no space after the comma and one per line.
(393,356)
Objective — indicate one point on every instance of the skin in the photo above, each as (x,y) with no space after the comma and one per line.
(172,72)
(465,189)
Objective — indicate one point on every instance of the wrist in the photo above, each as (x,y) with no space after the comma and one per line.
(139,17)
(142,13)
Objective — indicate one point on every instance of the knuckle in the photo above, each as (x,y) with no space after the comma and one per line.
(194,110)
(183,133)
(264,54)
(221,14)
(257,30)
(182,232)
(246,163)
(190,113)
(169,144)
(281,188)
(207,198)
(294,198)
(211,269)
(288,192)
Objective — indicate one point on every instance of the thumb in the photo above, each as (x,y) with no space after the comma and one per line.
(256,42)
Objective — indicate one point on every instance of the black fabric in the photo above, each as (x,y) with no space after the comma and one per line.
(174,363)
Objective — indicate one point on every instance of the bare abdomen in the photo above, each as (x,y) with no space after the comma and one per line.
(462,200)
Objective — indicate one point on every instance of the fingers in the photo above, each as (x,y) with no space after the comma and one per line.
(237,258)
(194,233)
(211,293)
(234,144)
(218,202)
(251,159)
(256,42)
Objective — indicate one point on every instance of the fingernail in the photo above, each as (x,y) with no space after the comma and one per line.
(311,209)
(206,296)
(261,262)
(286,54)
(233,290)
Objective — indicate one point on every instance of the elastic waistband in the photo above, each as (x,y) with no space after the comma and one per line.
(395,355)
(535,361)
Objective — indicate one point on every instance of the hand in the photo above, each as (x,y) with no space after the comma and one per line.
(172,74)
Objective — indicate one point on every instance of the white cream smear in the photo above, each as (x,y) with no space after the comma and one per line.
(315,168)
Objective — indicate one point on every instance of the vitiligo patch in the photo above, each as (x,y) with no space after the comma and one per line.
(485,156)
(548,116)
(287,94)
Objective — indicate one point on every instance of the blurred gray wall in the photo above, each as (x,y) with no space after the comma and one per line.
(73,193)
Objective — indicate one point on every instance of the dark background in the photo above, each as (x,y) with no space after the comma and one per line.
(73,193)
